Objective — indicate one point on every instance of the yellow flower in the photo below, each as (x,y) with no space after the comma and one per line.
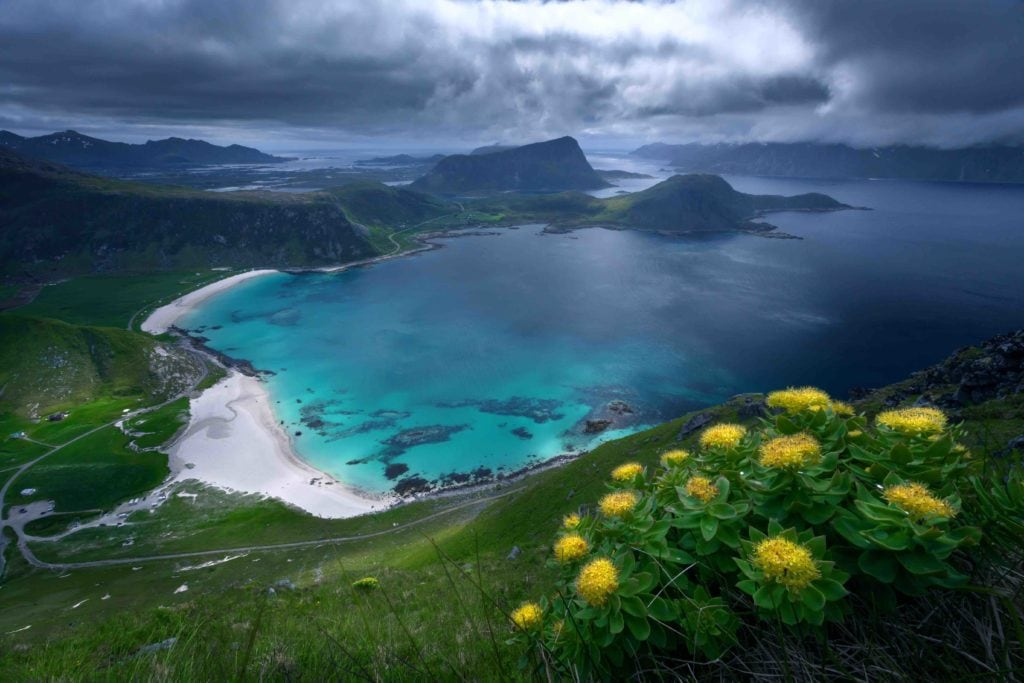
(674,458)
(618,503)
(785,562)
(917,501)
(527,616)
(798,399)
(571,521)
(570,547)
(854,433)
(723,436)
(701,488)
(793,452)
(913,420)
(843,409)
(597,580)
(627,472)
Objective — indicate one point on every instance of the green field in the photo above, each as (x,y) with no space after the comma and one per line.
(113,300)
(97,471)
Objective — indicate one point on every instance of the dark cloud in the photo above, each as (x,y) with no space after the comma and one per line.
(934,71)
(922,55)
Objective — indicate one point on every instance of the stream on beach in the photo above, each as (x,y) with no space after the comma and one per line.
(498,352)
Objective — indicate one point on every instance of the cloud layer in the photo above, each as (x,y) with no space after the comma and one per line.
(938,72)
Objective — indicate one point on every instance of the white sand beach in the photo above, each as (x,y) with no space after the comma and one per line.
(233,441)
(162,318)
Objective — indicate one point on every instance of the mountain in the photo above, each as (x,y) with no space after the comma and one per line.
(701,202)
(379,205)
(55,222)
(400,160)
(681,204)
(74,149)
(812,160)
(491,149)
(541,167)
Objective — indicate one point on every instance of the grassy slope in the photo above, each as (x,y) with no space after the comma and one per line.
(46,365)
(112,300)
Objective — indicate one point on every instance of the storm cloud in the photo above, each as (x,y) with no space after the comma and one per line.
(938,72)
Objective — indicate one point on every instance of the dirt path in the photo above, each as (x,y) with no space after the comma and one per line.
(63,566)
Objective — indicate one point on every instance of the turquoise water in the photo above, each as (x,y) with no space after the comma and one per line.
(489,354)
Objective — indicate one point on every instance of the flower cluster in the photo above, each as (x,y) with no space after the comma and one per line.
(798,399)
(570,548)
(785,562)
(366,583)
(597,581)
(619,503)
(627,472)
(913,421)
(792,452)
(917,501)
(785,514)
(674,458)
(723,436)
(528,616)
(701,488)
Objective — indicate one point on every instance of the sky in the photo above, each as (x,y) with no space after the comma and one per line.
(289,74)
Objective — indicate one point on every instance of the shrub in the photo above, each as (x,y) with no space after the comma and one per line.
(367,583)
(767,526)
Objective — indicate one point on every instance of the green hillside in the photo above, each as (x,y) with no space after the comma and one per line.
(46,365)
(56,222)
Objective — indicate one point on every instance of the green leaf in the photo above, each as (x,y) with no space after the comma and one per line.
(831,589)
(763,597)
(879,565)
(615,622)
(747,586)
(785,426)
(921,563)
(662,610)
(812,598)
(722,510)
(708,527)
(633,605)
(639,628)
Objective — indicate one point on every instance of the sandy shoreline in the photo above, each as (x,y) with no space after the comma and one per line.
(233,441)
(160,320)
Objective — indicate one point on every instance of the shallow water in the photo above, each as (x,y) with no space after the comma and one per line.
(499,346)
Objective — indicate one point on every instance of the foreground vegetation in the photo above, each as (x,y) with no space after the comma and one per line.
(449,587)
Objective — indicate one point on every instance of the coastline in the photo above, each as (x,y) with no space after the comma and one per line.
(234,442)
(161,319)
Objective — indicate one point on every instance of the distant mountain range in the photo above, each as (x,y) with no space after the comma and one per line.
(81,151)
(549,166)
(400,160)
(811,160)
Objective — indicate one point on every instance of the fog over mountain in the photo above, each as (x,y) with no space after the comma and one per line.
(457,72)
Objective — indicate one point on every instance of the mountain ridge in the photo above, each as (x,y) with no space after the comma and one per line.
(815,160)
(75,149)
(549,166)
